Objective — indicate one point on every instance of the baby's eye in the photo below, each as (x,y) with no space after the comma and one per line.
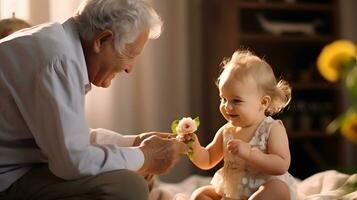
(236,101)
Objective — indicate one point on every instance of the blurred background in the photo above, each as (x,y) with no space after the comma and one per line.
(175,76)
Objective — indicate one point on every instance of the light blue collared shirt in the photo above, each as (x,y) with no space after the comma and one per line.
(43,81)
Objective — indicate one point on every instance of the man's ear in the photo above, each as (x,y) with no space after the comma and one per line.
(266,101)
(102,38)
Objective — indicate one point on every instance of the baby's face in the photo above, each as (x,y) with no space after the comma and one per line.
(241,101)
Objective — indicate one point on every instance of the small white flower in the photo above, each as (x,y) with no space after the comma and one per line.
(246,192)
(258,182)
(251,183)
(185,126)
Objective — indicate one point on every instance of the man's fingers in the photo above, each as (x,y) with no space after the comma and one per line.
(164,135)
(162,153)
(181,147)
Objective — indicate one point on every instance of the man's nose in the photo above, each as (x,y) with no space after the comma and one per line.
(128,69)
(130,66)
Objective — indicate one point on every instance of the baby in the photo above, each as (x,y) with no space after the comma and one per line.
(254,146)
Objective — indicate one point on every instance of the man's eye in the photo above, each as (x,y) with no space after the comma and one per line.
(127,55)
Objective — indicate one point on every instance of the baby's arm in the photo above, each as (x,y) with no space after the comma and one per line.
(207,157)
(277,159)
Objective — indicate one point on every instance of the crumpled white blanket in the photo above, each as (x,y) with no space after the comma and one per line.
(327,185)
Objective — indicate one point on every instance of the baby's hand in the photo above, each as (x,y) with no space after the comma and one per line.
(239,148)
(185,138)
(191,140)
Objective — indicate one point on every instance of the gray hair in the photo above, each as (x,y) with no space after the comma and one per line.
(126,18)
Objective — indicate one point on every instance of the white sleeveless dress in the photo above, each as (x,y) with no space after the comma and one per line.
(236,181)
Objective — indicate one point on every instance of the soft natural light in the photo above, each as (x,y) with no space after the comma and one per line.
(60,11)
(19,7)
(35,12)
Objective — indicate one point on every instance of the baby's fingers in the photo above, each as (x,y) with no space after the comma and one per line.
(232,143)
(231,147)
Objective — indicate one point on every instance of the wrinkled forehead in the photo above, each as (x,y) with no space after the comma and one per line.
(135,48)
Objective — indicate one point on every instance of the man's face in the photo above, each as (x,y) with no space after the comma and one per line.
(104,63)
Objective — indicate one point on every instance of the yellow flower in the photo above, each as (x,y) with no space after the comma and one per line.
(333,56)
(349,127)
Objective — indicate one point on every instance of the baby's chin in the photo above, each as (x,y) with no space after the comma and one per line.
(235,123)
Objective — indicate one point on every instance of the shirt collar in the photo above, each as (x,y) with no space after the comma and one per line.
(71,29)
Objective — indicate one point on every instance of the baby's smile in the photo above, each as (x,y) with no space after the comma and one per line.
(233,116)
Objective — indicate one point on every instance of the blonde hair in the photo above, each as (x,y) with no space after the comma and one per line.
(244,64)
(10,25)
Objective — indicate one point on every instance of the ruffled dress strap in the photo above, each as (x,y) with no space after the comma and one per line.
(260,138)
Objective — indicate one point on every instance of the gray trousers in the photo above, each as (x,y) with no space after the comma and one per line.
(40,184)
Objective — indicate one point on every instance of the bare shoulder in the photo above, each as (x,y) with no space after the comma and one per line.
(278,136)
(278,129)
(221,131)
(278,142)
(224,128)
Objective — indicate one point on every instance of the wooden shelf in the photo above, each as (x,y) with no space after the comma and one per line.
(285,6)
(308,134)
(265,37)
(314,86)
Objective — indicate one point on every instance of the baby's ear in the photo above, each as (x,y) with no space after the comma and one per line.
(266,101)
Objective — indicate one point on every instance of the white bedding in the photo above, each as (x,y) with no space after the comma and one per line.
(327,185)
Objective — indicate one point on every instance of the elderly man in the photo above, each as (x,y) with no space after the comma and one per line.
(47,150)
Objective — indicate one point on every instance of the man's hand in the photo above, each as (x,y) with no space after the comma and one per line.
(141,137)
(161,154)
